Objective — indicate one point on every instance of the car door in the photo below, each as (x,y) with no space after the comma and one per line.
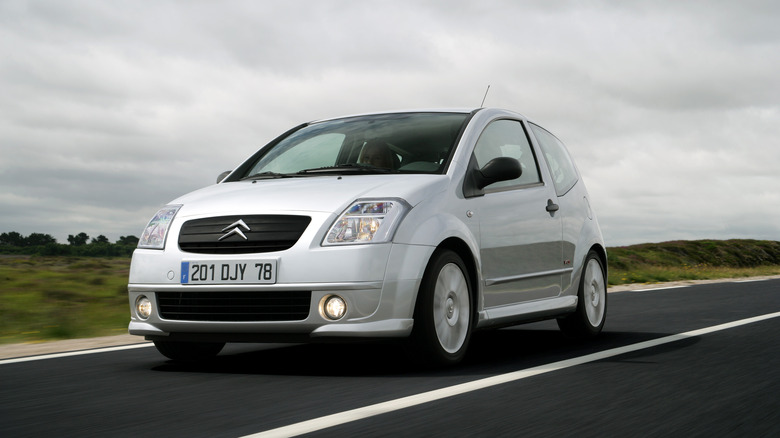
(520,235)
(572,198)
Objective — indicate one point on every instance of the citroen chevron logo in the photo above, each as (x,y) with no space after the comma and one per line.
(235,228)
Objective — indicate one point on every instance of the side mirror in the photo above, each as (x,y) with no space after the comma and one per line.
(223,175)
(497,169)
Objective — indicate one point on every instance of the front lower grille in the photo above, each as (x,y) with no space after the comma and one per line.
(234,306)
(242,234)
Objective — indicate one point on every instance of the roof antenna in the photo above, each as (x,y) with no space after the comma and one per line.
(482,105)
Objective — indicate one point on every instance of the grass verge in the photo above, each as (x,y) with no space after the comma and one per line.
(658,274)
(45,298)
(693,260)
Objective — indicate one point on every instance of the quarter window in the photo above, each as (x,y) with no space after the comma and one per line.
(507,138)
(559,162)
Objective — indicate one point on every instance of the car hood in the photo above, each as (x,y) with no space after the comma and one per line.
(330,194)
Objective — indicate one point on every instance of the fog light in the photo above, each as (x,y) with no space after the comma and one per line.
(334,307)
(143,307)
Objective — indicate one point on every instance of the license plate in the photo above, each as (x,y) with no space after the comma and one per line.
(229,272)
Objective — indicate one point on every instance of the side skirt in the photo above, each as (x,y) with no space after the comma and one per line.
(526,312)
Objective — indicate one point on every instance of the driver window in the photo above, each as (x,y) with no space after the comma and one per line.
(507,138)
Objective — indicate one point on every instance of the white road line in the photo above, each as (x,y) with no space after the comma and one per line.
(660,288)
(73,353)
(321,423)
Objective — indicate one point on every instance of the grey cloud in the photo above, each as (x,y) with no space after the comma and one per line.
(110,110)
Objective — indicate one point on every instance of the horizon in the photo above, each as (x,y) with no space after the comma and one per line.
(116,241)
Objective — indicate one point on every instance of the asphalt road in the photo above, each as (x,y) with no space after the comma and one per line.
(719,382)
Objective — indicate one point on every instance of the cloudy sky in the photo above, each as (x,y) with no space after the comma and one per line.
(109,109)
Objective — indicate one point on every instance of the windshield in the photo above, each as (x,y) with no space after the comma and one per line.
(385,143)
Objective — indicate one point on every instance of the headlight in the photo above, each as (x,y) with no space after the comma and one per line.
(367,221)
(157,229)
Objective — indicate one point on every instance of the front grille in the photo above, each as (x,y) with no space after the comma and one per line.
(234,306)
(266,233)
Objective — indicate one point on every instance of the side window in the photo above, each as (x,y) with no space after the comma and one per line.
(558,160)
(507,138)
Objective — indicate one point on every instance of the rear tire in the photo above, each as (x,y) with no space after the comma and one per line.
(588,320)
(189,351)
(443,314)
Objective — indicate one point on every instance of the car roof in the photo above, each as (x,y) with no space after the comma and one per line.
(415,110)
(422,110)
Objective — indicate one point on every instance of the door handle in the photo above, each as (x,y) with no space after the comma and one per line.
(551,206)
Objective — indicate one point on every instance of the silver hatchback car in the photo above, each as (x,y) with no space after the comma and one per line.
(425,225)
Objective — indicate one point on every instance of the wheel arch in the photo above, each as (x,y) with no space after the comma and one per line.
(602,253)
(462,249)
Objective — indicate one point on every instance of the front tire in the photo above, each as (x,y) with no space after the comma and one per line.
(588,320)
(189,351)
(443,314)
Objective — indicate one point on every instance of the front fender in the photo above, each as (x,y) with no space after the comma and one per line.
(430,224)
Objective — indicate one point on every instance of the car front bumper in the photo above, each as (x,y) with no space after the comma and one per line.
(379,283)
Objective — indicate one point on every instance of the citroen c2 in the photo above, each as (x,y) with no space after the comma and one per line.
(425,225)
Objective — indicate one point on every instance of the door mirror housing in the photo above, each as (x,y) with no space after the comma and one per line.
(496,170)
(223,175)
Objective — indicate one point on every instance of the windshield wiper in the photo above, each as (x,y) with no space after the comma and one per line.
(268,175)
(349,167)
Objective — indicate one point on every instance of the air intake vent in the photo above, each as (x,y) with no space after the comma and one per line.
(242,234)
(234,306)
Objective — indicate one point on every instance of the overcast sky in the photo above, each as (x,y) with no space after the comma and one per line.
(109,109)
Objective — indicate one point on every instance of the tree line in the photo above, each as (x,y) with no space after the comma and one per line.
(78,245)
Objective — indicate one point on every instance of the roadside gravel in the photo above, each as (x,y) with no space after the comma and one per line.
(41,348)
